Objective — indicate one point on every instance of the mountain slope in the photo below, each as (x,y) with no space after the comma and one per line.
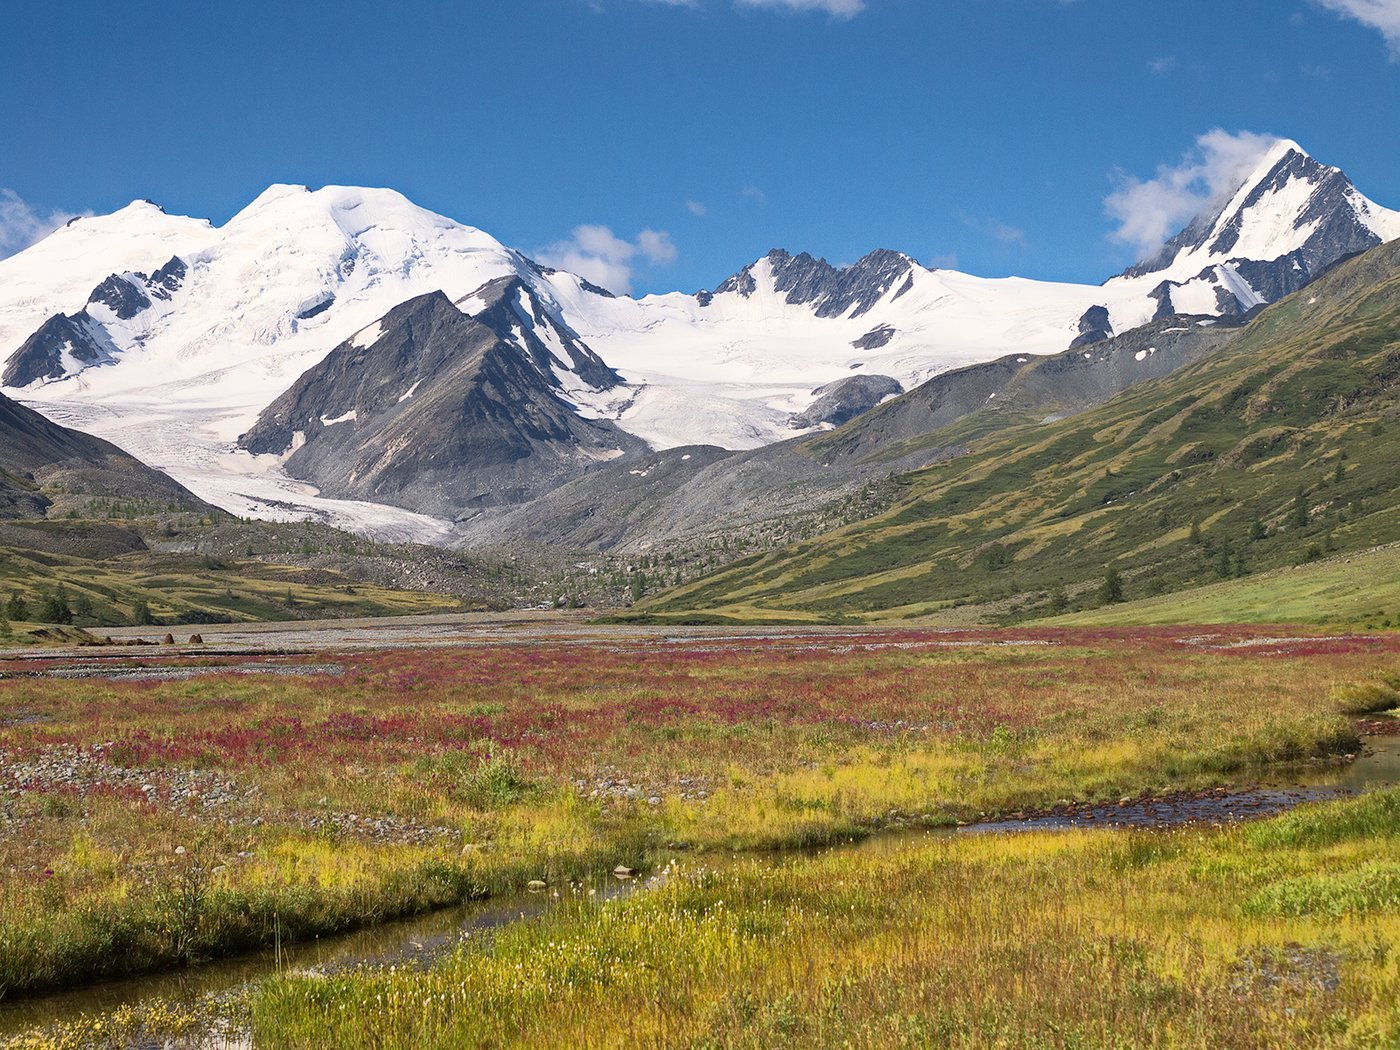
(43,464)
(436,411)
(1272,450)
(781,490)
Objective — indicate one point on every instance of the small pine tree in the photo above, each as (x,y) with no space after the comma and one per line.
(1222,561)
(1059,600)
(141,614)
(1340,473)
(1300,517)
(55,608)
(1196,531)
(5,630)
(1111,590)
(1257,531)
(16,608)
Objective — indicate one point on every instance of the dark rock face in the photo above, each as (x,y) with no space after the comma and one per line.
(81,336)
(316,309)
(121,296)
(1338,232)
(514,311)
(442,413)
(843,400)
(168,279)
(875,338)
(1094,327)
(35,452)
(1163,294)
(42,355)
(805,280)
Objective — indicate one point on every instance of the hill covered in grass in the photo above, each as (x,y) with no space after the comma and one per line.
(1278,449)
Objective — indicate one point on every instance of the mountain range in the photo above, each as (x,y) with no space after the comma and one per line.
(344,355)
(1275,449)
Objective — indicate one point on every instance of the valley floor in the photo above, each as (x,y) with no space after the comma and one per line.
(288,782)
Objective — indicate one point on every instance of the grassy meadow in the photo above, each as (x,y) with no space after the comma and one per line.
(1277,935)
(149,823)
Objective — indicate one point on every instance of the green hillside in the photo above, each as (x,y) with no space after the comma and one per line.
(1360,590)
(1279,449)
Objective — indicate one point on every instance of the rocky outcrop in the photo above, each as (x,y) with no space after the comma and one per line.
(841,401)
(1094,327)
(64,344)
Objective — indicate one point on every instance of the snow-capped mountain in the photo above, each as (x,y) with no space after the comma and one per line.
(174,366)
(1287,223)
(171,336)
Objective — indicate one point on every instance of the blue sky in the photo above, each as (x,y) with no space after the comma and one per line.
(979,133)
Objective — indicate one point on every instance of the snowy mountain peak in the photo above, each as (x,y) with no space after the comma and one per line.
(294,272)
(1289,205)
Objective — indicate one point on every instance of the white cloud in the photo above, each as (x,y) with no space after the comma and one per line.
(658,247)
(1149,211)
(697,209)
(1381,15)
(21,224)
(1163,65)
(597,254)
(1006,234)
(835,8)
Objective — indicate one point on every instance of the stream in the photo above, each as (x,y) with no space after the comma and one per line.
(419,940)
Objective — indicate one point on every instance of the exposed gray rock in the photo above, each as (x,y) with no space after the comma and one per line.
(516,312)
(843,400)
(1337,233)
(443,413)
(1094,327)
(121,295)
(875,338)
(51,351)
(805,280)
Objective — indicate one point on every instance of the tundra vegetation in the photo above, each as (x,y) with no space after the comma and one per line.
(152,823)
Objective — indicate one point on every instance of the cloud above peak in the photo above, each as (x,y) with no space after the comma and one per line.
(841,9)
(598,255)
(1146,212)
(834,8)
(21,224)
(1381,15)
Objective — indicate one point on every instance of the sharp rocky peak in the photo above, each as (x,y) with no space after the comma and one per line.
(831,291)
(1290,205)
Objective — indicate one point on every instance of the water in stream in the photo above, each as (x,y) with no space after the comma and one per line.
(419,940)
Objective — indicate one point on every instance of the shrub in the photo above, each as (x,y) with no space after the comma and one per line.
(1365,698)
